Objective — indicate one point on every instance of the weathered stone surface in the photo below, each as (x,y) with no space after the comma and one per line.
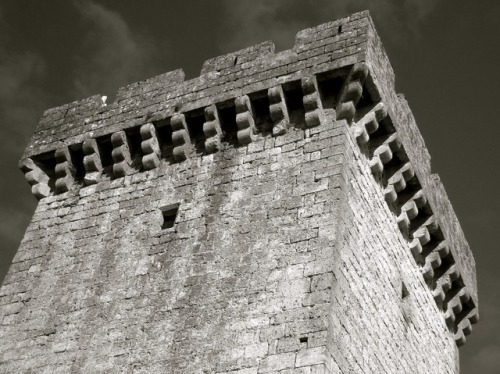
(312,102)
(245,120)
(323,246)
(150,147)
(180,137)
(36,177)
(91,162)
(278,110)
(212,130)
(64,171)
(122,159)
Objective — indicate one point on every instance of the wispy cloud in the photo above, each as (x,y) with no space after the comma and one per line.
(113,55)
(21,103)
(259,20)
(21,99)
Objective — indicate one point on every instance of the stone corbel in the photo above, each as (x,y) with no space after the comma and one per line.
(150,147)
(278,110)
(36,177)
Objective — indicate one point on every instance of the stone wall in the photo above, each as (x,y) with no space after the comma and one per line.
(276,214)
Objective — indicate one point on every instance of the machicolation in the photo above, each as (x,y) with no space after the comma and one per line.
(276,213)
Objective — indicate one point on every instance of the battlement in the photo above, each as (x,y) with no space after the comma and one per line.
(223,78)
(249,100)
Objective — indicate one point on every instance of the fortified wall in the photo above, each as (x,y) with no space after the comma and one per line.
(276,214)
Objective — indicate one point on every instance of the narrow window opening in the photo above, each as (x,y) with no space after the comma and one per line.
(47,162)
(195,120)
(423,215)
(303,339)
(456,286)
(391,168)
(235,62)
(134,143)
(77,156)
(293,99)
(413,186)
(384,130)
(467,308)
(260,104)
(169,214)
(164,133)
(227,118)
(339,29)
(404,291)
(446,263)
(105,152)
(330,88)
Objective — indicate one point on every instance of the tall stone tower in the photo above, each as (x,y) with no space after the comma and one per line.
(276,214)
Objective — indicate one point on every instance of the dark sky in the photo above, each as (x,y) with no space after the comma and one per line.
(445,54)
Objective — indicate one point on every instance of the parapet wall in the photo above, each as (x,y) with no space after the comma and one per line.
(223,78)
(242,99)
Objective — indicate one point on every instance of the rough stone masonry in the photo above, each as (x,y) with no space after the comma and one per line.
(276,214)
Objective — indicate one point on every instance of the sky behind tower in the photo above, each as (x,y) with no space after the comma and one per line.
(445,55)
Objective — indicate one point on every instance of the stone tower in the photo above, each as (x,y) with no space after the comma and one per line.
(276,214)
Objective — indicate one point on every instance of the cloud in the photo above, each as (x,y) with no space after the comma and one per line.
(21,104)
(112,54)
(21,99)
(259,20)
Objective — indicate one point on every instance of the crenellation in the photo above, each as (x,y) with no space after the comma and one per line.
(217,64)
(151,85)
(258,74)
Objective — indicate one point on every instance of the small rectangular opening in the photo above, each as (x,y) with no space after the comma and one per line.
(169,213)
(164,133)
(404,291)
(423,215)
(330,87)
(47,162)
(446,262)
(134,143)
(194,121)
(105,152)
(260,105)
(303,339)
(391,168)
(293,99)
(77,156)
(456,286)
(227,118)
